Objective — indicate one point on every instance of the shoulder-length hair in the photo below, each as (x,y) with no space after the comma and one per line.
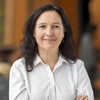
(29,45)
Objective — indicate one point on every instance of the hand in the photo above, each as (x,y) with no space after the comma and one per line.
(81,98)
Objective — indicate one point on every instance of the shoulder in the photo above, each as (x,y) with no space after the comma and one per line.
(79,62)
(18,65)
(80,69)
(78,65)
(79,72)
(19,61)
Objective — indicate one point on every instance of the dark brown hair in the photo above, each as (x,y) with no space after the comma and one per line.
(29,46)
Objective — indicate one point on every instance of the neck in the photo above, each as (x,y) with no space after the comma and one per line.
(49,57)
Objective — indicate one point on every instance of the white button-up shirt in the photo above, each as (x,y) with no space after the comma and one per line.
(65,82)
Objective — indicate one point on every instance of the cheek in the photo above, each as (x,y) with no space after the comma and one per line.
(38,38)
(39,34)
(60,35)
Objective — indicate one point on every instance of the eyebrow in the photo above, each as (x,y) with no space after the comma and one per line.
(53,23)
(57,23)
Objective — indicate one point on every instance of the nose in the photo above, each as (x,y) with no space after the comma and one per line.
(49,31)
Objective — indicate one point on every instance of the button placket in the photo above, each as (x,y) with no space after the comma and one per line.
(51,84)
(52,87)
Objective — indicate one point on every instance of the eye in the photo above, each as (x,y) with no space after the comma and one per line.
(56,26)
(42,26)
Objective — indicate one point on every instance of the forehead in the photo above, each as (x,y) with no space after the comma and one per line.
(49,17)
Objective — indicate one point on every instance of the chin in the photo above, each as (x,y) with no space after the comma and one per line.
(49,47)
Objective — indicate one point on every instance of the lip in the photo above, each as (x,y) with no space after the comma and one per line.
(50,39)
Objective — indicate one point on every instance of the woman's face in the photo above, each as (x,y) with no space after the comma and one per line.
(49,30)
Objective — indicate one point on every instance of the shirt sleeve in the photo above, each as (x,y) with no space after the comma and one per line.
(17,89)
(83,82)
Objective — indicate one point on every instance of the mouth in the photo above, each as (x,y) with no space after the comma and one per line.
(51,40)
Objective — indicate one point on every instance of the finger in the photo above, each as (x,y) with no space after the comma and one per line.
(82,98)
(86,98)
(78,97)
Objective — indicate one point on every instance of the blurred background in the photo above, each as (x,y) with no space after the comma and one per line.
(84,16)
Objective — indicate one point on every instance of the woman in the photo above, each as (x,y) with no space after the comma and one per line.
(48,69)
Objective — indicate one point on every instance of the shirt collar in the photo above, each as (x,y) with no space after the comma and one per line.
(38,60)
(62,59)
